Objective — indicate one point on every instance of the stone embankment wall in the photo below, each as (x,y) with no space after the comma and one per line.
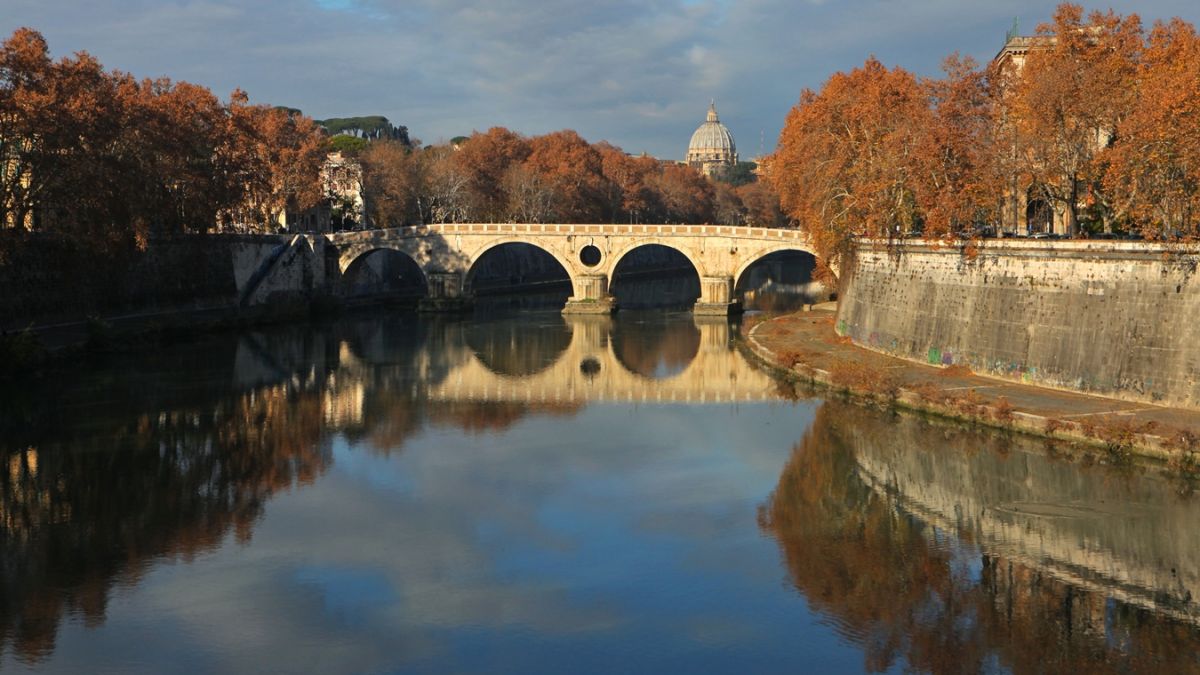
(48,279)
(1118,319)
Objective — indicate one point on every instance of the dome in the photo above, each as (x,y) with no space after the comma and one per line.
(712,145)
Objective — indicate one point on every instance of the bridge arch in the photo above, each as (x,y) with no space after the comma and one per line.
(396,266)
(644,287)
(615,259)
(492,245)
(761,254)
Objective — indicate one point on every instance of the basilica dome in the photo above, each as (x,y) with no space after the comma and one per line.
(712,149)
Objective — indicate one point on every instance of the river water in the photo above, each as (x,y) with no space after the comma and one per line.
(388,493)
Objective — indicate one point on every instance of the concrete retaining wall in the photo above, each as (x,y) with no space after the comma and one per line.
(1118,319)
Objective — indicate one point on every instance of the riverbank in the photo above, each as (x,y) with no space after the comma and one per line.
(806,346)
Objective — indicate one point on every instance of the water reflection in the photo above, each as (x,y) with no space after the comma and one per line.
(504,494)
(952,551)
(79,517)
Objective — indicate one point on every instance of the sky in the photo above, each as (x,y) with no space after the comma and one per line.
(636,73)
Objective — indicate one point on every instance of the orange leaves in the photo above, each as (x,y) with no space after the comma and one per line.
(105,156)
(844,163)
(1152,172)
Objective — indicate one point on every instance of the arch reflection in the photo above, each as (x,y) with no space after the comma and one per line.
(655,345)
(519,347)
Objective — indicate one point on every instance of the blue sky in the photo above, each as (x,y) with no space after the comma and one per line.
(637,73)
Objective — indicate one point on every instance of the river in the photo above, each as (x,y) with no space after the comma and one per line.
(528,493)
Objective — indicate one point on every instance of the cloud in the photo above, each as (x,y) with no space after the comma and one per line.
(639,74)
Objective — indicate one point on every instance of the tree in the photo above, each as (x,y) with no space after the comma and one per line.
(279,156)
(573,171)
(483,160)
(392,180)
(845,165)
(1070,97)
(1152,174)
(684,194)
(957,180)
(761,205)
(344,143)
(739,174)
(628,193)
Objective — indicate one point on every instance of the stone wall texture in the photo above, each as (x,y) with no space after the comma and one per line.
(1118,319)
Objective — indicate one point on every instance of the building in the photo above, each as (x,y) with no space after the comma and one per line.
(1026,209)
(712,149)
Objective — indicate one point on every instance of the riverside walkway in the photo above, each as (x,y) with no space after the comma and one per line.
(807,342)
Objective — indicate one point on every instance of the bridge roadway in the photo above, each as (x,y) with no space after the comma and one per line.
(590,254)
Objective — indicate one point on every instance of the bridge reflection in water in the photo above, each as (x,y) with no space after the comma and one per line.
(956,551)
(583,358)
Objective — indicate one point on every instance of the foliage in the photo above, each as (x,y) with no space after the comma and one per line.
(844,166)
(370,128)
(739,174)
(502,176)
(110,159)
(350,145)
(1096,118)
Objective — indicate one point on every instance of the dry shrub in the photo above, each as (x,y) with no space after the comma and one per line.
(970,403)
(1117,435)
(1002,410)
(1185,460)
(1054,425)
(864,379)
(790,358)
(956,370)
(929,393)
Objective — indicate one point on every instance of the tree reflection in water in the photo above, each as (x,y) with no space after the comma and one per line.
(77,519)
(95,501)
(910,591)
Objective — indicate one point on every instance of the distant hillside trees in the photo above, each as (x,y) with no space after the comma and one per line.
(369,128)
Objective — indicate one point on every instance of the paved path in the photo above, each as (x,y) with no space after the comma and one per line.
(810,338)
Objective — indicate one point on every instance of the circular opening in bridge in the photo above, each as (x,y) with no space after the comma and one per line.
(590,367)
(589,255)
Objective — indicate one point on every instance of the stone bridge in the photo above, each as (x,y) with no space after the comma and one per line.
(447,254)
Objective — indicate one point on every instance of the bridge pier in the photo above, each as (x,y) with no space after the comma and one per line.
(716,297)
(591,296)
(445,293)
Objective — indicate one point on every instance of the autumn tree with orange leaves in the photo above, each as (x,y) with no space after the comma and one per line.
(844,165)
(1152,174)
(103,156)
(1068,99)
(1095,118)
